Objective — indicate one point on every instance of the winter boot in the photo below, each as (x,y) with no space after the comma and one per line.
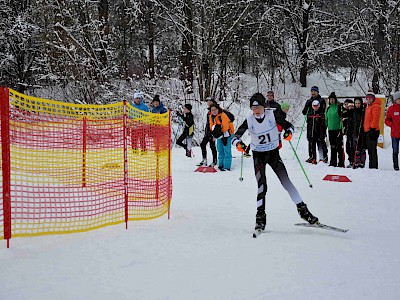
(261,221)
(188,153)
(203,162)
(305,213)
(309,160)
(314,161)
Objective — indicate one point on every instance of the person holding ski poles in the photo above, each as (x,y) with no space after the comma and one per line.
(315,96)
(262,126)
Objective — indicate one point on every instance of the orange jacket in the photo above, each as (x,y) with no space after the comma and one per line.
(372,115)
(224,120)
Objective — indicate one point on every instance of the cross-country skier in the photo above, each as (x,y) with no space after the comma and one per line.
(262,125)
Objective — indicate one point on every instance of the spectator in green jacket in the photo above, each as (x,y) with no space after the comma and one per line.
(333,121)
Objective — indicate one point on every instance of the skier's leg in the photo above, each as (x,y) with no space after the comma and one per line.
(279,168)
(259,160)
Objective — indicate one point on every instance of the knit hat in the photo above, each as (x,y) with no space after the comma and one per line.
(138,94)
(285,106)
(270,92)
(396,95)
(257,99)
(156,98)
(188,106)
(315,103)
(333,95)
(370,94)
(315,88)
(212,99)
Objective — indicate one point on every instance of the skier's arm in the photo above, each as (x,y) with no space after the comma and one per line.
(280,119)
(239,133)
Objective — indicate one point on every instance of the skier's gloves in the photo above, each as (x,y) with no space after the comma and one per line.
(224,141)
(288,134)
(242,147)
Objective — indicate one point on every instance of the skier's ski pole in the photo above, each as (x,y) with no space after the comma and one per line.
(302,128)
(241,168)
(305,174)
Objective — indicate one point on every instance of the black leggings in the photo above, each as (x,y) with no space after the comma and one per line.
(208,139)
(261,159)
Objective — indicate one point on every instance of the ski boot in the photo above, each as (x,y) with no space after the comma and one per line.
(202,163)
(305,213)
(261,221)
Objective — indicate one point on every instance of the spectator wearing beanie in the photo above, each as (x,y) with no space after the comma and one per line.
(188,130)
(333,121)
(308,109)
(393,121)
(158,106)
(371,128)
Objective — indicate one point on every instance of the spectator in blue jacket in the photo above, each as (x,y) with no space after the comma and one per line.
(158,106)
(138,102)
(138,134)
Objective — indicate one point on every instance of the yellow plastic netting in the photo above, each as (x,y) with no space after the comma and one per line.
(80,167)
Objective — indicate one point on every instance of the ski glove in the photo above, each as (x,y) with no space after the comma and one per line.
(242,147)
(288,134)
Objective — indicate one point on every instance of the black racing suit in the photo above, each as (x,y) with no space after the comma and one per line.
(261,159)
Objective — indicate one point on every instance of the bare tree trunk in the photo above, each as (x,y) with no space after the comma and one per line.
(151,43)
(304,43)
(104,30)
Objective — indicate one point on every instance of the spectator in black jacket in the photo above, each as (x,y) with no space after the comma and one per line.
(208,139)
(316,133)
(188,130)
(357,125)
(347,110)
(308,109)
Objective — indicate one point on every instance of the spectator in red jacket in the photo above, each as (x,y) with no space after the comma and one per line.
(393,121)
(371,128)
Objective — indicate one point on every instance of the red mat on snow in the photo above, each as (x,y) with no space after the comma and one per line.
(206,170)
(337,178)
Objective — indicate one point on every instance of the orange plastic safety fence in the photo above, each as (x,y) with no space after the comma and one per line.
(80,167)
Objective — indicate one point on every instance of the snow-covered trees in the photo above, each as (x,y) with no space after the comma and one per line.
(204,43)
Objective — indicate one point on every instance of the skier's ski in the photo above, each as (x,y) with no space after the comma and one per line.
(322,226)
(257,232)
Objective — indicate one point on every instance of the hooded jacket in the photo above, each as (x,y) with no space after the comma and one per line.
(160,109)
(372,116)
(141,106)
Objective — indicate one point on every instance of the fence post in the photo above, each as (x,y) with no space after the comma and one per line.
(125,141)
(6,163)
(84,152)
(169,164)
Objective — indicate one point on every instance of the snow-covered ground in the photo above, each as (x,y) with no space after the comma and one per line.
(205,251)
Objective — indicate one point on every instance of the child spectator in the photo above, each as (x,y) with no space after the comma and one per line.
(188,130)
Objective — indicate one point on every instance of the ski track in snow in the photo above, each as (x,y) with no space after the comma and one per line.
(206,249)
